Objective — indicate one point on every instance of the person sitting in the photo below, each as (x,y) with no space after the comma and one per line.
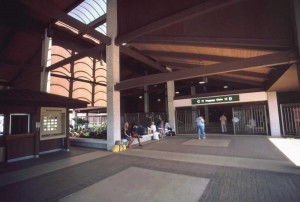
(127,133)
(168,128)
(154,131)
(162,129)
(134,134)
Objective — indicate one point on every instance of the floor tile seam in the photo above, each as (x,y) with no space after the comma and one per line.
(38,170)
(247,163)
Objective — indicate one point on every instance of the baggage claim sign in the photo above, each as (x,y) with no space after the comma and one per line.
(214,100)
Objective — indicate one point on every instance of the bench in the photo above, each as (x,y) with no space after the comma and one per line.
(145,138)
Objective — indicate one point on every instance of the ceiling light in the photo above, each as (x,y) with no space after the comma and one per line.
(158,100)
(177,92)
(203,80)
(225,87)
(140,97)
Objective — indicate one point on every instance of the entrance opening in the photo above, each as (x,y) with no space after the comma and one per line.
(252,119)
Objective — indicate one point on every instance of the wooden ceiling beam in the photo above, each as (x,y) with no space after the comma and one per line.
(138,56)
(191,56)
(250,74)
(261,44)
(89,52)
(278,58)
(177,65)
(77,79)
(45,8)
(97,22)
(200,9)
(237,80)
(275,75)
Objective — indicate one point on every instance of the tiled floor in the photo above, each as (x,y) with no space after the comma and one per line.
(180,168)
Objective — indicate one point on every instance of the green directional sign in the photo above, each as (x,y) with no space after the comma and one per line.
(218,99)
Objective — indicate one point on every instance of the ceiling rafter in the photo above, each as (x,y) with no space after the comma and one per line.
(89,52)
(275,75)
(50,11)
(138,56)
(178,65)
(261,44)
(250,74)
(97,22)
(200,9)
(278,58)
(191,56)
(237,80)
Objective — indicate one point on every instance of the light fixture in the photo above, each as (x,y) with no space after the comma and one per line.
(225,87)
(203,80)
(177,92)
(140,97)
(158,100)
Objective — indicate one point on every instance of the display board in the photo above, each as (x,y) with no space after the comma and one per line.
(53,123)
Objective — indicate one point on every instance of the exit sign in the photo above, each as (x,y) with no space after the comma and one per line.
(218,99)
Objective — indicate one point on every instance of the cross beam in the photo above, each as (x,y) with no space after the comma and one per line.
(278,58)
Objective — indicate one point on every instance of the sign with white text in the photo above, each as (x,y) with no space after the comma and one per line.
(218,99)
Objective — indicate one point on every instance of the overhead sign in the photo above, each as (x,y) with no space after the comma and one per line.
(218,99)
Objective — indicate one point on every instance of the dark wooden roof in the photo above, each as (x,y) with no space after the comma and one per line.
(155,36)
(32,98)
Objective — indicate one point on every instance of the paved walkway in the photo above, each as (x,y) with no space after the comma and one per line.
(180,168)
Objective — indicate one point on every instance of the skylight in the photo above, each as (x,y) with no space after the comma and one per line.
(90,10)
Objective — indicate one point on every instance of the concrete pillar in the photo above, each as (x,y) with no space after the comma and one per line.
(273,114)
(146,99)
(171,107)
(206,112)
(194,108)
(46,62)
(113,71)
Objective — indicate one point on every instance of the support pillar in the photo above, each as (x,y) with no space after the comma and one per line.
(194,108)
(274,114)
(146,99)
(113,71)
(297,33)
(171,107)
(46,62)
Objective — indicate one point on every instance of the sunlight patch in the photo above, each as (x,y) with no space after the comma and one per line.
(289,147)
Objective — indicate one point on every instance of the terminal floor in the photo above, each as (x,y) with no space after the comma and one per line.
(179,168)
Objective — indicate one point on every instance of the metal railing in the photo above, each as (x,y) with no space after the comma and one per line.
(250,120)
(144,119)
(290,119)
(185,121)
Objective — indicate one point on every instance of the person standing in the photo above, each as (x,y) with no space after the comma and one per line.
(200,122)
(223,121)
